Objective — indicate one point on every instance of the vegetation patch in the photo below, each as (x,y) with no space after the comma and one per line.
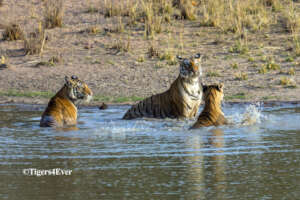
(53,16)
(35,41)
(16,93)
(117,99)
(13,32)
(240,95)
(213,74)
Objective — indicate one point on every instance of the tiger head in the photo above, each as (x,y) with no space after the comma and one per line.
(190,68)
(213,93)
(77,89)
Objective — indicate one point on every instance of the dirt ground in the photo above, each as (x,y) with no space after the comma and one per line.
(110,73)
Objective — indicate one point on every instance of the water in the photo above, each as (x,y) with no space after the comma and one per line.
(258,157)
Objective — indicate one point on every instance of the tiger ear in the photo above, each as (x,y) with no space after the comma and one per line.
(197,58)
(220,86)
(68,80)
(74,77)
(204,88)
(179,57)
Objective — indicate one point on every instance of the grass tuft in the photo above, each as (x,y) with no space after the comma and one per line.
(292,71)
(213,74)
(291,18)
(153,52)
(34,43)
(241,76)
(120,45)
(53,16)
(239,47)
(240,95)
(13,32)
(286,81)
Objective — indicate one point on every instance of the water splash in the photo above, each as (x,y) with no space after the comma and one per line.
(252,115)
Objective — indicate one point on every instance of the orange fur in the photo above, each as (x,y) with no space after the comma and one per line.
(181,100)
(61,109)
(212,114)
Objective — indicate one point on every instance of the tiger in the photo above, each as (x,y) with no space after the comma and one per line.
(181,100)
(61,110)
(212,114)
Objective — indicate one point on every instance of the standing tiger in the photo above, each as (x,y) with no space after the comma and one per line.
(61,109)
(212,114)
(181,100)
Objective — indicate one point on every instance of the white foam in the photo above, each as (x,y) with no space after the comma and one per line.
(252,115)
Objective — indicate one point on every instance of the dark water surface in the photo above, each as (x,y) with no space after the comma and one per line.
(257,158)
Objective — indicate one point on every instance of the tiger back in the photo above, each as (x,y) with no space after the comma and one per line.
(61,110)
(181,100)
(212,114)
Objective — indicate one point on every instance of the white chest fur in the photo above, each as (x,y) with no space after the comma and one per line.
(191,91)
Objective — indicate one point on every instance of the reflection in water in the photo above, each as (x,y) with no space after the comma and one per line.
(219,159)
(216,162)
(151,159)
(196,167)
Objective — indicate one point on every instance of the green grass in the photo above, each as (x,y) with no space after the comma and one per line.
(240,95)
(117,99)
(265,98)
(16,93)
(48,95)
(213,74)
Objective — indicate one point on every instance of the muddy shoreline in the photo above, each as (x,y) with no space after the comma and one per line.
(43,102)
(268,71)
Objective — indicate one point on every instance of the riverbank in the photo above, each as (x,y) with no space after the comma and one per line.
(126,65)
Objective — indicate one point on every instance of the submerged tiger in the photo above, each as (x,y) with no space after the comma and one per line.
(61,110)
(212,114)
(181,100)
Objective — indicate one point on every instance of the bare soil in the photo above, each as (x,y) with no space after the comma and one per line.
(111,73)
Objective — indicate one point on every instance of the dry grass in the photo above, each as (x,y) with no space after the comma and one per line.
(34,43)
(3,62)
(51,62)
(121,45)
(153,51)
(187,9)
(213,74)
(53,16)
(116,27)
(153,22)
(291,19)
(13,32)
(263,69)
(241,76)
(93,30)
(236,15)
(169,56)
(292,71)
(112,9)
(240,47)
(286,81)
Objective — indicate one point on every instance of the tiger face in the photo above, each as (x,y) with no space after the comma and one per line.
(77,89)
(213,91)
(190,68)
